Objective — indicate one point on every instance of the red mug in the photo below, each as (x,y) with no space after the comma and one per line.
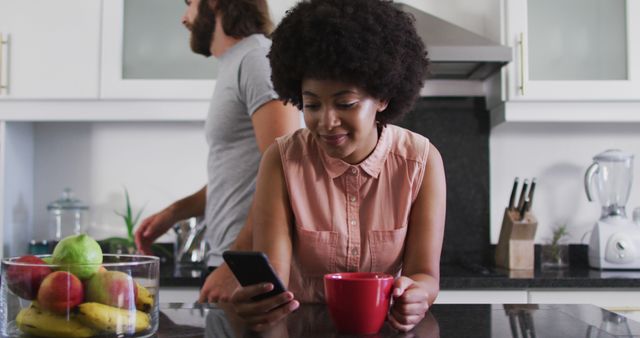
(358,301)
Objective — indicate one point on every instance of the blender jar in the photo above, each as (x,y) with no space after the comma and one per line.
(67,216)
(612,173)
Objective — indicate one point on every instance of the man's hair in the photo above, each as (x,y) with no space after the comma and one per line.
(241,18)
(367,43)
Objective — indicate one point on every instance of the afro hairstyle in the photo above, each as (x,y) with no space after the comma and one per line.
(366,43)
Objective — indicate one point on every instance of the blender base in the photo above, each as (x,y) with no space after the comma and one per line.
(615,244)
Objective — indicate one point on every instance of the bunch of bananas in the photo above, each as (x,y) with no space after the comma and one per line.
(90,319)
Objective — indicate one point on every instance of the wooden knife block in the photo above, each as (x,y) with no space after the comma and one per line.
(515,249)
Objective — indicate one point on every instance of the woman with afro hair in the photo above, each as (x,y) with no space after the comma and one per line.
(351,192)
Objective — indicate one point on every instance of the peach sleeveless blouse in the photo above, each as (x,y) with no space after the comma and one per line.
(349,217)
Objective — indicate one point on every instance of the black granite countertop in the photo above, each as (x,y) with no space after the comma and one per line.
(476,276)
(443,320)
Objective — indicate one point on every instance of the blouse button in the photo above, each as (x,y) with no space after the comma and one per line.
(354,251)
(354,171)
(352,198)
(353,222)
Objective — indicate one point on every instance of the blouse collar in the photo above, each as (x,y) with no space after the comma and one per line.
(372,165)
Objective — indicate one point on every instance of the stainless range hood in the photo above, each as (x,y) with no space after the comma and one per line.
(456,53)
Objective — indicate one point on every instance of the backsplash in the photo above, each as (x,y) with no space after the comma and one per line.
(459,128)
(557,154)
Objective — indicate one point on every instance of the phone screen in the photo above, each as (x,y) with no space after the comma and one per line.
(253,267)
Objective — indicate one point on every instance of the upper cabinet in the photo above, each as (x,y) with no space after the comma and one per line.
(573,50)
(146,53)
(49,49)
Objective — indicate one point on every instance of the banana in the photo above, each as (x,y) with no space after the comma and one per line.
(37,322)
(112,319)
(144,302)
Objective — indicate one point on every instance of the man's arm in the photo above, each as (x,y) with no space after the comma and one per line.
(157,224)
(274,119)
(190,206)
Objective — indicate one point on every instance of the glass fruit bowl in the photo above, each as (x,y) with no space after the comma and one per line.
(116,298)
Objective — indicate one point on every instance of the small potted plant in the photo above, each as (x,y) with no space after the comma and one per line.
(121,244)
(555,254)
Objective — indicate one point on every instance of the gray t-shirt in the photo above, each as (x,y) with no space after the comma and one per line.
(243,85)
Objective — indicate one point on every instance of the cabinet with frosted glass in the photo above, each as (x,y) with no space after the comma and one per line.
(573,50)
(146,53)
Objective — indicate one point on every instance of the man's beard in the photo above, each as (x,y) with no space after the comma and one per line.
(202,29)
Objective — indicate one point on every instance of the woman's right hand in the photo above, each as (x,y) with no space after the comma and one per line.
(151,228)
(262,314)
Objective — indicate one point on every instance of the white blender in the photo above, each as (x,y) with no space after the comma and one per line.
(615,239)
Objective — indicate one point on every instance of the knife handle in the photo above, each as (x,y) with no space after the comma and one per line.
(512,198)
(523,194)
(532,190)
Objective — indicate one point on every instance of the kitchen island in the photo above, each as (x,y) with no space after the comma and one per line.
(443,320)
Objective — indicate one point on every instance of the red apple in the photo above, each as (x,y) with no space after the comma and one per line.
(25,280)
(60,292)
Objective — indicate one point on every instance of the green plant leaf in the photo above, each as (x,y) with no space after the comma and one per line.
(127,217)
(559,232)
(135,221)
(160,248)
(126,195)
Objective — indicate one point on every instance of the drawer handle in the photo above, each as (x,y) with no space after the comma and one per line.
(3,68)
(521,47)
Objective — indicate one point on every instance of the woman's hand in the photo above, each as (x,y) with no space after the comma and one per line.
(410,304)
(262,314)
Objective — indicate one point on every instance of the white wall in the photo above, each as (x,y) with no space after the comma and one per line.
(558,156)
(18,187)
(279,7)
(157,162)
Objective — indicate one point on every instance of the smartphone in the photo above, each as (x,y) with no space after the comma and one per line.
(253,267)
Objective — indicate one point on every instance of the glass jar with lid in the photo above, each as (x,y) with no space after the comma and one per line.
(67,216)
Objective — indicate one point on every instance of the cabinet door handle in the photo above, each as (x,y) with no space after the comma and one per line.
(521,47)
(4,69)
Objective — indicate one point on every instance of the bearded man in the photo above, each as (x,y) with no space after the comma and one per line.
(245,116)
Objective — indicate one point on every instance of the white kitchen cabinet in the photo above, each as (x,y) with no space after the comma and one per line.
(176,294)
(623,301)
(482,297)
(50,49)
(573,50)
(148,56)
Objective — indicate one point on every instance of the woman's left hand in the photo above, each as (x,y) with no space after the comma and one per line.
(410,304)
